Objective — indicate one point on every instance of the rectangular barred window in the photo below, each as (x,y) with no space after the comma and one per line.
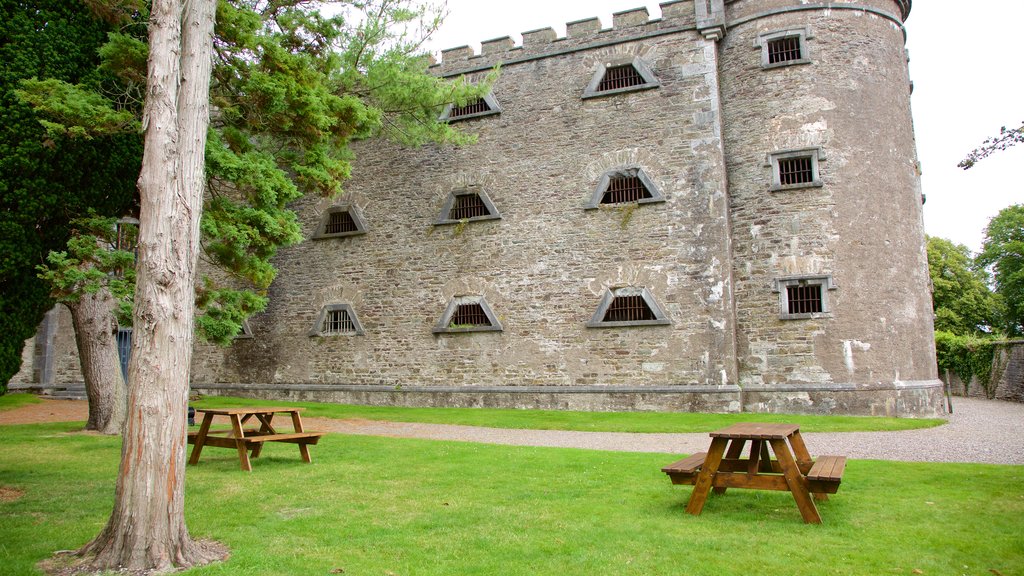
(339,222)
(339,322)
(475,107)
(468,206)
(628,309)
(625,189)
(784,49)
(469,315)
(620,77)
(804,299)
(798,170)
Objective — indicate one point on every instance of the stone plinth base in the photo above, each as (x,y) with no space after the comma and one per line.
(912,399)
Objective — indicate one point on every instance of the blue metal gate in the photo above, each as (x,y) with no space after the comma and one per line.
(124,349)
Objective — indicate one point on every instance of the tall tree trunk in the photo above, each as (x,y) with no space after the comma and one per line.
(95,334)
(147,528)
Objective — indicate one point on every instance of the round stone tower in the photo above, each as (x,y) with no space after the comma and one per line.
(833,306)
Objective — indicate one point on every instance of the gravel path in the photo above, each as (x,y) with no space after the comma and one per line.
(978,431)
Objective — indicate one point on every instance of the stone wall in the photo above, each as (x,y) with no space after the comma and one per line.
(1007,380)
(715,255)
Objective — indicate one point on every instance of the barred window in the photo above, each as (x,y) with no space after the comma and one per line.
(471,205)
(796,168)
(795,171)
(784,47)
(486,105)
(628,306)
(467,314)
(804,296)
(337,320)
(339,222)
(623,186)
(621,74)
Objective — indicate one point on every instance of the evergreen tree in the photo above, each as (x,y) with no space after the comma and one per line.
(49,179)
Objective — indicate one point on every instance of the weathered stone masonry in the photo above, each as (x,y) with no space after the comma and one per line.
(720,250)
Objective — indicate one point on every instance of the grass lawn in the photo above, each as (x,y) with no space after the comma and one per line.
(583,421)
(402,507)
(11,401)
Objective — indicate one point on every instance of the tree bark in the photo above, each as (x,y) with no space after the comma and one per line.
(95,334)
(147,528)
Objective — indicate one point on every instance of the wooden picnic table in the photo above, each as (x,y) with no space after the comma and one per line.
(792,469)
(249,439)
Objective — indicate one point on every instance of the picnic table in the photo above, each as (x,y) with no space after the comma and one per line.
(792,469)
(249,439)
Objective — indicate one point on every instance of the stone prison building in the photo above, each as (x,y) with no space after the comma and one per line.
(715,210)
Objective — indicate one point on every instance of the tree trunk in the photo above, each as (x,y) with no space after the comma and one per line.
(95,335)
(147,528)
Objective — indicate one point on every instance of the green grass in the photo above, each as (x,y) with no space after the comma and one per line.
(12,401)
(385,506)
(581,421)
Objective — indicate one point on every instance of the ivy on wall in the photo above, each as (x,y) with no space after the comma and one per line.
(972,357)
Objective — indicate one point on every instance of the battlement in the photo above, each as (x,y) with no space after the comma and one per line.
(637,22)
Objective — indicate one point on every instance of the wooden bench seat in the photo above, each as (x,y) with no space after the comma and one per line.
(826,474)
(294,438)
(685,471)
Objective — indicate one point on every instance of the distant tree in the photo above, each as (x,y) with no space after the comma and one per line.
(1007,137)
(94,277)
(1003,253)
(961,299)
(49,179)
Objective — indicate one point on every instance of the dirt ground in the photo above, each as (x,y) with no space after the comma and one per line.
(47,411)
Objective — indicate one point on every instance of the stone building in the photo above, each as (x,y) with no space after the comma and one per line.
(718,209)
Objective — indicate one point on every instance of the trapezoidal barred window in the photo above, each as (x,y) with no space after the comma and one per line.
(628,306)
(486,105)
(626,74)
(796,168)
(624,186)
(804,296)
(467,314)
(339,222)
(783,48)
(336,320)
(467,206)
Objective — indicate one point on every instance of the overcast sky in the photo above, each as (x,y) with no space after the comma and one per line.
(965,61)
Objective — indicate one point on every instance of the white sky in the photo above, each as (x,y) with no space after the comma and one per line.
(966,64)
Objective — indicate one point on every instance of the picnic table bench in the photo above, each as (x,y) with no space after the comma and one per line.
(250,439)
(792,469)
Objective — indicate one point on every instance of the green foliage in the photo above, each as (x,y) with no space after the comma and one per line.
(1003,253)
(969,357)
(291,88)
(93,261)
(48,180)
(961,299)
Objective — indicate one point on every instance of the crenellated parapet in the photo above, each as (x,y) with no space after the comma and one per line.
(627,25)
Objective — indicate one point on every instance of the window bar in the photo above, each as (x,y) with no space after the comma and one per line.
(475,107)
(468,206)
(804,299)
(628,309)
(796,171)
(339,322)
(469,315)
(784,49)
(624,189)
(339,222)
(620,77)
